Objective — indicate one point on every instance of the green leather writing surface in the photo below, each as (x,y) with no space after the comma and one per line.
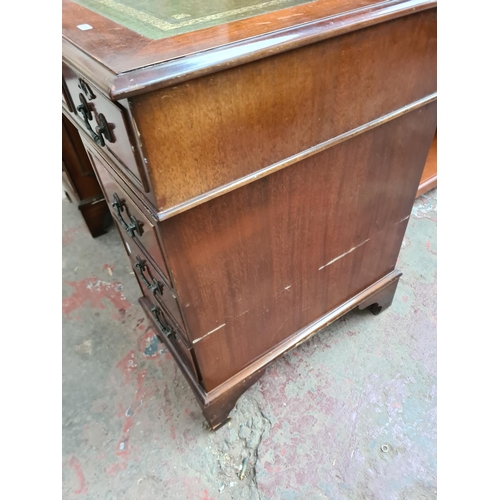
(164,18)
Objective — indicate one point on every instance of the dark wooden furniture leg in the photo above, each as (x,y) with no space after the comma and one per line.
(80,183)
(217,411)
(382,299)
(217,404)
(429,175)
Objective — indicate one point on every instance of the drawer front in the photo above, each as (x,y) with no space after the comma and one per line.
(136,226)
(94,111)
(154,286)
(164,326)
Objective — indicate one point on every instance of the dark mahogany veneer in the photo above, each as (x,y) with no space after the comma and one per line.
(261,172)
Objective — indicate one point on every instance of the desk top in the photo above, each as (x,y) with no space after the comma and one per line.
(129,47)
(158,20)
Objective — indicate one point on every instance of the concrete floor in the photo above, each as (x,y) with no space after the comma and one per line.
(312,428)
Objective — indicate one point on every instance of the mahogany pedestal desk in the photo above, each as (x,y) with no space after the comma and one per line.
(260,160)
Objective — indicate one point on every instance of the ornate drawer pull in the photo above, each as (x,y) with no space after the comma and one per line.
(83,85)
(84,109)
(154,287)
(135,225)
(102,128)
(166,330)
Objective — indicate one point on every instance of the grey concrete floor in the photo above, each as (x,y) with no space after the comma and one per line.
(315,426)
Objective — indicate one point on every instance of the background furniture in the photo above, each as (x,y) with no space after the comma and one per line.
(80,183)
(261,170)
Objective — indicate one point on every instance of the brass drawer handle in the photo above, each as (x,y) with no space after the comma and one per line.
(166,330)
(155,287)
(135,226)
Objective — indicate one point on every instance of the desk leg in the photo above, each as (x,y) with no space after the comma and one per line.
(382,299)
(217,411)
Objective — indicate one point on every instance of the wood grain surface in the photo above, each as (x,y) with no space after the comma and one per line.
(123,63)
(428,180)
(208,132)
(276,161)
(79,181)
(257,264)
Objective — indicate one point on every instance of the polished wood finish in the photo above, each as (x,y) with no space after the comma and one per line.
(159,20)
(216,410)
(216,406)
(275,171)
(217,121)
(382,299)
(154,287)
(122,146)
(183,357)
(332,239)
(77,163)
(428,180)
(122,63)
(147,236)
(80,183)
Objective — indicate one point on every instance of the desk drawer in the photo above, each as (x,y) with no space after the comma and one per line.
(93,110)
(166,328)
(154,286)
(136,226)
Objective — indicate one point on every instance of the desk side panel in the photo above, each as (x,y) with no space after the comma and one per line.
(208,132)
(257,264)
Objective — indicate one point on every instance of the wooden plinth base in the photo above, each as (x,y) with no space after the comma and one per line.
(218,403)
(429,175)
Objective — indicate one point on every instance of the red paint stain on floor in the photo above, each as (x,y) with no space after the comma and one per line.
(68,234)
(112,470)
(119,315)
(75,464)
(91,293)
(127,366)
(168,412)
(123,447)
